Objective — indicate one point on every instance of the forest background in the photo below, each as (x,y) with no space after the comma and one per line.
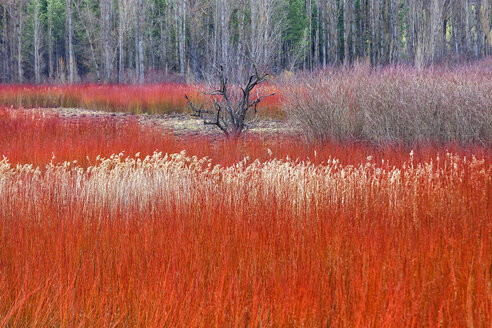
(145,41)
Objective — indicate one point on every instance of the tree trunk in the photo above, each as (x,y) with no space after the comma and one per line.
(121,32)
(486,26)
(358,30)
(332,32)
(381,35)
(393,29)
(224,29)
(468,38)
(6,63)
(309,57)
(18,35)
(324,35)
(266,36)
(37,60)
(410,28)
(106,11)
(151,37)
(91,45)
(181,36)
(164,40)
(71,63)
(478,27)
(254,30)
(374,31)
(50,38)
(139,43)
(239,54)
(316,55)
(421,29)
(436,28)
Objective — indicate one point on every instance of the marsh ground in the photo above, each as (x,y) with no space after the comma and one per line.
(180,124)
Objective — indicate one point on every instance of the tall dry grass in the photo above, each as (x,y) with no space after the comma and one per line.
(175,241)
(345,237)
(396,105)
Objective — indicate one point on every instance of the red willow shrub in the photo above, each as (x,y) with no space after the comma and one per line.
(152,99)
(177,241)
(38,137)
(137,99)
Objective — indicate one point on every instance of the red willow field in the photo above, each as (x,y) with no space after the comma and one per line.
(151,99)
(134,99)
(97,229)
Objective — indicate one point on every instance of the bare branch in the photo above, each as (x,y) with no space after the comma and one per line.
(258,100)
(196,111)
(230,103)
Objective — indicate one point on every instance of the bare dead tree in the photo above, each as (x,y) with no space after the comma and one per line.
(230,103)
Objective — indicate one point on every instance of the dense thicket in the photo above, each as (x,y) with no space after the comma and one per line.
(395,105)
(146,40)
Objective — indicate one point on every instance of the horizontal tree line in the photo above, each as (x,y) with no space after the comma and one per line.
(147,40)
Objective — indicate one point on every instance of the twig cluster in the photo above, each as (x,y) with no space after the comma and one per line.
(230,103)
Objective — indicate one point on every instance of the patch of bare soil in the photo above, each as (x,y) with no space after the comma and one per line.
(179,124)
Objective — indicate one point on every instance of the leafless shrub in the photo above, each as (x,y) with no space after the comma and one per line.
(231,103)
(395,105)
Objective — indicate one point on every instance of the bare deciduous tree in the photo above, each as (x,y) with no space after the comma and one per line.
(231,102)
